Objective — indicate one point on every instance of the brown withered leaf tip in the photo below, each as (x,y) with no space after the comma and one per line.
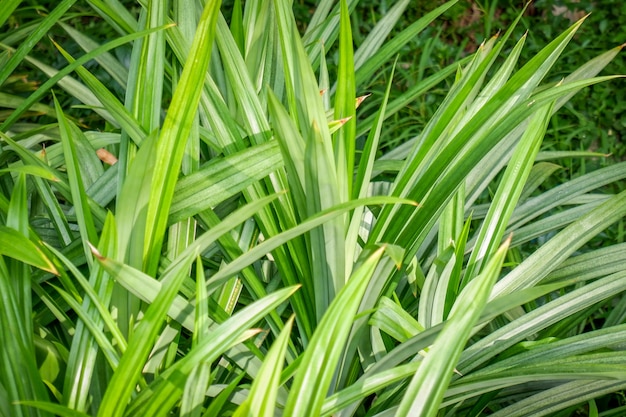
(106,156)
(95,251)
(361,99)
(344,120)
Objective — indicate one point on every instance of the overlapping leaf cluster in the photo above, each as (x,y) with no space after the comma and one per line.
(230,241)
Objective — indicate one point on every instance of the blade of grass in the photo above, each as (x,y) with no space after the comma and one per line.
(32,39)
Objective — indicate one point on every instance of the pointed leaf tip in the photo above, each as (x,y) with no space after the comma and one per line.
(95,251)
(361,99)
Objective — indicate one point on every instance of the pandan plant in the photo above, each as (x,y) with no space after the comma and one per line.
(198,220)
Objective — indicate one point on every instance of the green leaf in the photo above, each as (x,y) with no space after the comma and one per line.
(508,193)
(34,37)
(428,386)
(57,409)
(222,178)
(313,379)
(31,170)
(261,401)
(370,62)
(126,375)
(15,245)
(166,390)
(8,7)
(549,256)
(174,133)
(75,176)
(345,138)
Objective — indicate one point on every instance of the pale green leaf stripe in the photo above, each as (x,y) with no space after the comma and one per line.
(552,155)
(104,344)
(276,241)
(558,398)
(176,128)
(115,111)
(215,407)
(103,312)
(167,388)
(86,347)
(541,318)
(344,138)
(317,367)
(11,101)
(366,386)
(148,69)
(554,197)
(15,245)
(508,192)
(590,265)
(261,401)
(133,129)
(75,178)
(33,38)
(113,67)
(517,88)
(387,372)
(252,114)
(362,179)
(322,30)
(292,148)
(552,254)
(458,160)
(494,164)
(427,388)
(117,14)
(406,99)
(394,320)
(589,342)
(222,178)
(493,309)
(552,223)
(148,288)
(17,215)
(57,216)
(427,153)
(194,394)
(128,372)
(568,372)
(202,320)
